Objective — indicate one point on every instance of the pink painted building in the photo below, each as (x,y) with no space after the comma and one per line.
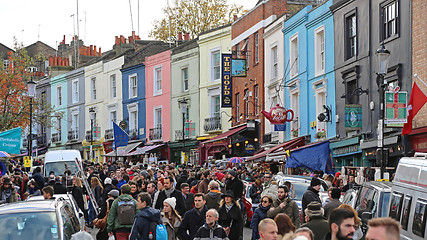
(158,101)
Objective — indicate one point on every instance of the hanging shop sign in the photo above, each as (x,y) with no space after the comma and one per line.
(238,67)
(353,117)
(279,115)
(226,95)
(250,148)
(395,106)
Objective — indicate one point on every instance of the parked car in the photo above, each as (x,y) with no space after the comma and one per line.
(70,199)
(408,203)
(373,197)
(249,208)
(47,220)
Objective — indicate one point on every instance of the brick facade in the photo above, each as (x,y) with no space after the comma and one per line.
(419,54)
(244,33)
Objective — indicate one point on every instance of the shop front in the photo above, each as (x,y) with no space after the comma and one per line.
(178,148)
(97,150)
(395,151)
(418,139)
(347,152)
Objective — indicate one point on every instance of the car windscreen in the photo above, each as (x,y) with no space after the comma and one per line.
(59,167)
(300,188)
(28,225)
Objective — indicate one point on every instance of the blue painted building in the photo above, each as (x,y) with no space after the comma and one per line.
(310,76)
(59,97)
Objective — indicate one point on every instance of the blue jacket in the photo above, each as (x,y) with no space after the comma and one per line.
(192,221)
(39,180)
(141,225)
(259,214)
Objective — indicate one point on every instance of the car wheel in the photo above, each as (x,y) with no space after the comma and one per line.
(245,218)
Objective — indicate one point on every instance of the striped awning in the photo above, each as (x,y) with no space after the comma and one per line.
(144,149)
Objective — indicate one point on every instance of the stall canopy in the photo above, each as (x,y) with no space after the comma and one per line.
(123,151)
(225,135)
(280,147)
(314,157)
(144,149)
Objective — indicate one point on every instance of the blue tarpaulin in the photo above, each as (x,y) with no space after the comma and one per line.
(313,157)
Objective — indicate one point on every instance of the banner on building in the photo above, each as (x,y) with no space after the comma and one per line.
(190,129)
(395,107)
(10,141)
(226,93)
(238,67)
(353,117)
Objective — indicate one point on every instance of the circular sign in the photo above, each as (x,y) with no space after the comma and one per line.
(123,124)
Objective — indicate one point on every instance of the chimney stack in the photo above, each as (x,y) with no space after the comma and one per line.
(187,37)
(235,17)
(180,36)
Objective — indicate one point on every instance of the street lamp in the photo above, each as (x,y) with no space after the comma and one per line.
(92,113)
(383,56)
(31,93)
(183,104)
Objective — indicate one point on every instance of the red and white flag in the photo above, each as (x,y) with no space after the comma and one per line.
(416,102)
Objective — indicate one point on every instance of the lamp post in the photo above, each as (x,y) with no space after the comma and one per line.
(92,112)
(31,93)
(183,106)
(383,56)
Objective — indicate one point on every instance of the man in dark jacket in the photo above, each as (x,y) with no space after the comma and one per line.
(183,177)
(334,203)
(188,196)
(37,176)
(315,220)
(58,188)
(312,194)
(211,229)
(235,184)
(108,186)
(284,204)
(169,192)
(194,218)
(202,187)
(141,225)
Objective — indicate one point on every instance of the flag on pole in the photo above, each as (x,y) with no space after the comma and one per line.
(120,136)
(416,102)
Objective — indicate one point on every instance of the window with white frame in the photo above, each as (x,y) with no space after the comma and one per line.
(246,98)
(390,19)
(59,96)
(75,122)
(293,54)
(350,35)
(256,48)
(113,118)
(133,86)
(158,80)
(319,50)
(75,91)
(237,107)
(294,103)
(274,63)
(113,86)
(215,106)
(184,73)
(133,121)
(215,65)
(5,64)
(158,117)
(319,88)
(93,88)
(256,100)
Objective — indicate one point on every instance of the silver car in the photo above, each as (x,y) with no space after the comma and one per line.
(47,220)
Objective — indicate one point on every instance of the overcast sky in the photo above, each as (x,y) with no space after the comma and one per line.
(100,20)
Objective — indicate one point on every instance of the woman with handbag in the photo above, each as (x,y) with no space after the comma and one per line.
(230,216)
(101,220)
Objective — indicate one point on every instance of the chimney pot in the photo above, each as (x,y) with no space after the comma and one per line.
(235,17)
(187,36)
(99,54)
(180,36)
(94,51)
(50,61)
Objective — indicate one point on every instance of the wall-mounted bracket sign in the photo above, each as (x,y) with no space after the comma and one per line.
(226,80)
(279,115)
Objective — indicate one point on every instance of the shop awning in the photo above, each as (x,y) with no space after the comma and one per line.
(126,149)
(227,134)
(314,157)
(144,149)
(297,142)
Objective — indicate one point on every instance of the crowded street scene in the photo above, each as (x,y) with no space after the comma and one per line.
(213,119)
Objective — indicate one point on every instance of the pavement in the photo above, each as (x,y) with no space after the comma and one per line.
(247,233)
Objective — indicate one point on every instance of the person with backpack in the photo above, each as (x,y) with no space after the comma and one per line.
(122,213)
(101,220)
(148,224)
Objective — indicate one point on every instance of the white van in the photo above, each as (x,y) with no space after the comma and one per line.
(408,203)
(59,160)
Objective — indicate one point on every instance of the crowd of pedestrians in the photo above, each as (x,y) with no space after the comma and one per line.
(187,202)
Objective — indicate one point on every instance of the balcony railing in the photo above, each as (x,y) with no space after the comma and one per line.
(109,134)
(212,124)
(133,134)
(178,135)
(41,139)
(155,133)
(87,137)
(73,135)
(56,137)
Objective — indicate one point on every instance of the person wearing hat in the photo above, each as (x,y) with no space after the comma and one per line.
(220,179)
(314,216)
(108,186)
(285,204)
(113,224)
(230,216)
(234,184)
(171,218)
(311,195)
(105,208)
(335,202)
